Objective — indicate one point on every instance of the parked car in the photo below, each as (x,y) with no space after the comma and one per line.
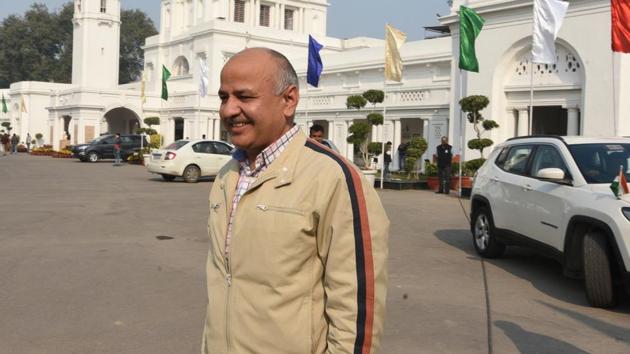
(103,147)
(553,194)
(190,159)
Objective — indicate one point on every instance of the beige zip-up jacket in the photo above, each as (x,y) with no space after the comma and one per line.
(307,263)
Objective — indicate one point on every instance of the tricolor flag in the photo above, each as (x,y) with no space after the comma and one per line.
(470,25)
(620,10)
(165,76)
(4,105)
(203,78)
(394,39)
(315,65)
(548,18)
(619,186)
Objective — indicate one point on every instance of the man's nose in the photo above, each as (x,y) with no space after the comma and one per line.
(229,108)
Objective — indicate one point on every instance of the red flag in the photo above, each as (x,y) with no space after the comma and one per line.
(620,10)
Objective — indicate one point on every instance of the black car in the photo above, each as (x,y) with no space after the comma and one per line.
(103,147)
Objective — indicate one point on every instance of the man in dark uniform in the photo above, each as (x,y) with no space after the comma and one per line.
(444,160)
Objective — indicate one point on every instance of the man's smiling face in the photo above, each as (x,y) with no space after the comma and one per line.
(251,110)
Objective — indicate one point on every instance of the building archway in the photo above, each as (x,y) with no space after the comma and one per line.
(121,120)
(558,92)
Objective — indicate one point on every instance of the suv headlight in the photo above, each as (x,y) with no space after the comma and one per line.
(626,212)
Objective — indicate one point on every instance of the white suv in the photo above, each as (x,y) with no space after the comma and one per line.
(553,194)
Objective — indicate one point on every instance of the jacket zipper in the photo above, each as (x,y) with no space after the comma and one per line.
(228,280)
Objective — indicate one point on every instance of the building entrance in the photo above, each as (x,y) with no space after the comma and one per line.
(549,120)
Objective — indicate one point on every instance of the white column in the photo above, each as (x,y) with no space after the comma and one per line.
(510,124)
(281,16)
(253,12)
(374,133)
(331,130)
(523,121)
(349,147)
(425,134)
(573,123)
(217,129)
(210,128)
(395,143)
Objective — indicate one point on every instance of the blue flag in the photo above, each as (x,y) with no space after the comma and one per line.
(315,65)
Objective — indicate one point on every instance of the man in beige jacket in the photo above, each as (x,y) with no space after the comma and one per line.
(298,239)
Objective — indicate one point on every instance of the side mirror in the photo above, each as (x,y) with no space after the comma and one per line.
(553,174)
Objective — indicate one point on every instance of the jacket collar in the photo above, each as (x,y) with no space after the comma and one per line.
(282,170)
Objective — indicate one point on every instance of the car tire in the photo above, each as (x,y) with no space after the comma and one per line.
(168,177)
(92,157)
(484,235)
(192,174)
(597,272)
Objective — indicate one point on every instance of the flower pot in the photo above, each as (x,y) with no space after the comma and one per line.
(466,183)
(433,182)
(370,176)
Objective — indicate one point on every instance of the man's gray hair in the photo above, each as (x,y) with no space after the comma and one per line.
(286,73)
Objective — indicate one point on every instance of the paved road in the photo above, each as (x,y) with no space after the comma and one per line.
(97,259)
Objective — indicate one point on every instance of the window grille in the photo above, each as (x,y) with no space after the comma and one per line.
(239,10)
(103,6)
(265,12)
(288,19)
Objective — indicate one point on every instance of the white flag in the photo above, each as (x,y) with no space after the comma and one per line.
(548,17)
(203,78)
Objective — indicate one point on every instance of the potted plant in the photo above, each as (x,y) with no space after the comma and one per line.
(431,171)
(38,138)
(360,131)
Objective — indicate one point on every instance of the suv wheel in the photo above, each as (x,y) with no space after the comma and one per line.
(484,236)
(168,177)
(92,157)
(597,275)
(191,174)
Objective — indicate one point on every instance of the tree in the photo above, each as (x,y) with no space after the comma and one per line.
(151,121)
(38,45)
(473,105)
(135,28)
(359,132)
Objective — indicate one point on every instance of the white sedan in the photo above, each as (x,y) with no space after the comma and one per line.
(191,159)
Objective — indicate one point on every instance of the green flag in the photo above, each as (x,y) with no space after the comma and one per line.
(165,76)
(4,105)
(470,24)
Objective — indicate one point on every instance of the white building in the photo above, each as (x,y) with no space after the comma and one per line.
(575,96)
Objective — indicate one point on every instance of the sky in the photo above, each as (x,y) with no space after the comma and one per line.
(346,18)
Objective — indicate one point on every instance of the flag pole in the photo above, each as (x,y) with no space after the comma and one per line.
(614,97)
(461,132)
(531,97)
(383,131)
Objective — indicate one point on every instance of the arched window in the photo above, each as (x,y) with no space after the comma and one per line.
(181,66)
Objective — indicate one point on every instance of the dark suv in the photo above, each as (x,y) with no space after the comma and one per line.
(103,147)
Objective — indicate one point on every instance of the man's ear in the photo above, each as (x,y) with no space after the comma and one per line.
(291,97)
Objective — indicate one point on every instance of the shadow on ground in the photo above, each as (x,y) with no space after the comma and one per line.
(543,273)
(621,334)
(532,342)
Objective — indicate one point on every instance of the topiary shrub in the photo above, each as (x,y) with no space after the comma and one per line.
(416,147)
(151,121)
(473,105)
(155,141)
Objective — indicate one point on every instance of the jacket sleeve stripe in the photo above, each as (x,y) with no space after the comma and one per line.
(363,250)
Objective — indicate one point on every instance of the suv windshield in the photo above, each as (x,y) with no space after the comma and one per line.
(600,163)
(99,139)
(177,144)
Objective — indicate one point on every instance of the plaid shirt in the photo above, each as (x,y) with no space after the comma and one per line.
(248,175)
